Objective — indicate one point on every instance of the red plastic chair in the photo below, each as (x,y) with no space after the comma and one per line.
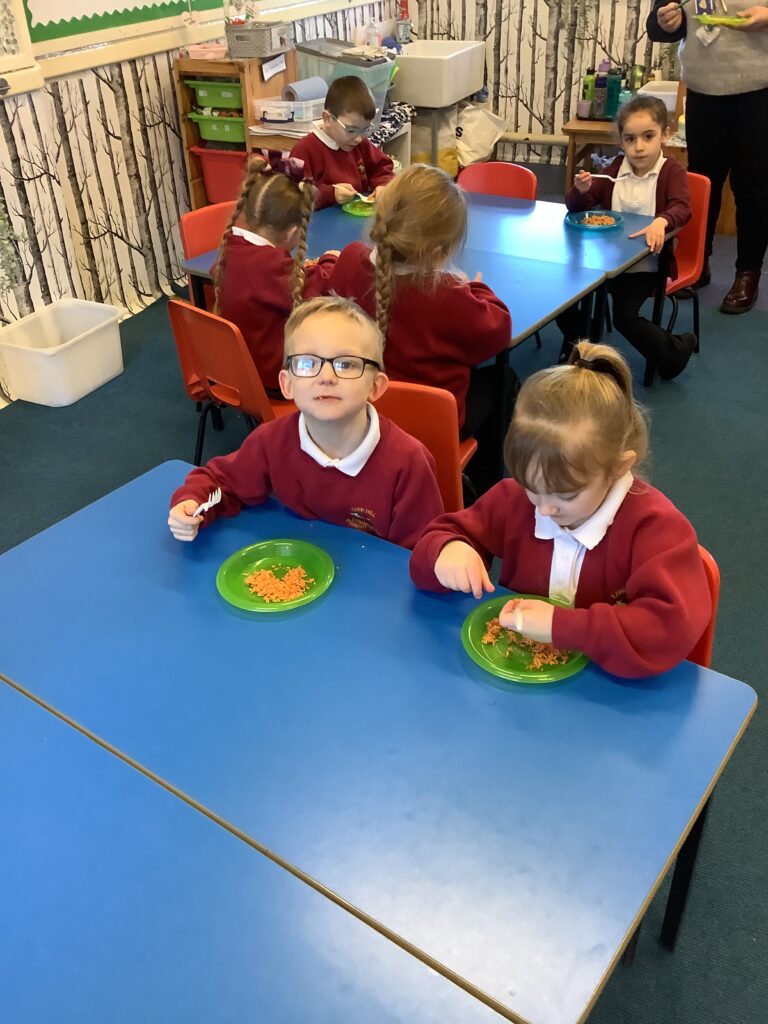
(690,249)
(201,230)
(431,416)
(497,178)
(702,652)
(215,351)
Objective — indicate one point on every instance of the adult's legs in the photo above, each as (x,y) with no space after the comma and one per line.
(749,179)
(669,352)
(709,130)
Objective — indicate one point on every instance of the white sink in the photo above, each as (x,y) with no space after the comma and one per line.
(439,72)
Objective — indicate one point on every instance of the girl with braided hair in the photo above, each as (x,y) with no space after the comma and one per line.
(257,280)
(576,524)
(437,324)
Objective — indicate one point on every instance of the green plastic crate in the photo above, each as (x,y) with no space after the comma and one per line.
(224,95)
(220,129)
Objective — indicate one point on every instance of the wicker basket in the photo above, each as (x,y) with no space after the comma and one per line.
(253,40)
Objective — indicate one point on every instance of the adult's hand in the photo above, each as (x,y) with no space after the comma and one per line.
(755,18)
(670,17)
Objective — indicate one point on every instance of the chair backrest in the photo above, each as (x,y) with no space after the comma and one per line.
(497,178)
(702,652)
(215,351)
(202,230)
(691,239)
(431,416)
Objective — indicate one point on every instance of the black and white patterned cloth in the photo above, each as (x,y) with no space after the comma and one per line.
(392,120)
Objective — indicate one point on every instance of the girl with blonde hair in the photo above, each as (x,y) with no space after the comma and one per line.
(576,524)
(258,279)
(438,326)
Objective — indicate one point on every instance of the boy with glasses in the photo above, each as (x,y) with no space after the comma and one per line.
(335,459)
(337,155)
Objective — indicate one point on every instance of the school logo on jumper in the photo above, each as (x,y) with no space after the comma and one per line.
(362,519)
(619,596)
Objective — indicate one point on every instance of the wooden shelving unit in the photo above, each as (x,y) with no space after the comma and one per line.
(248,74)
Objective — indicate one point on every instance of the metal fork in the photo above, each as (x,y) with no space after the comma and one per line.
(213,499)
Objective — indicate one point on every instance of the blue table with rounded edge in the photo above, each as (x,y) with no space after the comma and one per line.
(558,285)
(120,903)
(516,834)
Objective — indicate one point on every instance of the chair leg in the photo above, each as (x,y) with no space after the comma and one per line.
(217,418)
(650,373)
(469,490)
(201,432)
(537,336)
(250,422)
(696,318)
(681,882)
(608,321)
(673,314)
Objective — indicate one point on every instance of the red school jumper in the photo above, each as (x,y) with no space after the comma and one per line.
(256,296)
(393,496)
(673,197)
(364,168)
(436,335)
(642,601)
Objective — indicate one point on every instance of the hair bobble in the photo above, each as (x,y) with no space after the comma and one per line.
(599,365)
(283,163)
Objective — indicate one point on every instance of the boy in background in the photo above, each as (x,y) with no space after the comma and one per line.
(337,155)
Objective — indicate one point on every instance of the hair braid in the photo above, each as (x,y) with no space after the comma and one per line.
(254,171)
(385,285)
(308,193)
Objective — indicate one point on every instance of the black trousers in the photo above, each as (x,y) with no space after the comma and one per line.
(628,292)
(730,134)
(487,423)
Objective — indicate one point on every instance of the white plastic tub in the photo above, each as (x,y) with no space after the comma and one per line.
(60,353)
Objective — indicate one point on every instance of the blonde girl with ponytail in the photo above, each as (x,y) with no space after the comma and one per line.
(576,524)
(261,272)
(438,325)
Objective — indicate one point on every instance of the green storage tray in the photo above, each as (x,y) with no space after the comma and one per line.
(220,129)
(224,95)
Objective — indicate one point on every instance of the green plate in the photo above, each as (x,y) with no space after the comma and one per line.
(273,554)
(493,657)
(729,20)
(358,208)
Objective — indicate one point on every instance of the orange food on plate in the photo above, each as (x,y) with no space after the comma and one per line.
(598,220)
(541,655)
(266,584)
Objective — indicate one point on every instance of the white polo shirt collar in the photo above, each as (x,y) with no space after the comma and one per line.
(592,531)
(325,138)
(352,464)
(252,237)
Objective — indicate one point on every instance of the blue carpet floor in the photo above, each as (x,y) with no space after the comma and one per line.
(709,432)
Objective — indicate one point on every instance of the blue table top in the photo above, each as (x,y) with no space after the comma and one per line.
(513,833)
(511,275)
(519,227)
(122,904)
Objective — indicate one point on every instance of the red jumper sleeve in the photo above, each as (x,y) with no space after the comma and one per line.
(677,211)
(489,322)
(317,276)
(242,476)
(379,168)
(482,526)
(668,606)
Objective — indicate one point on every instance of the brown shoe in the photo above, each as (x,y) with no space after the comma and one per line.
(743,294)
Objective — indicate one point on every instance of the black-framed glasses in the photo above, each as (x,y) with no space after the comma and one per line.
(306,364)
(351,130)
